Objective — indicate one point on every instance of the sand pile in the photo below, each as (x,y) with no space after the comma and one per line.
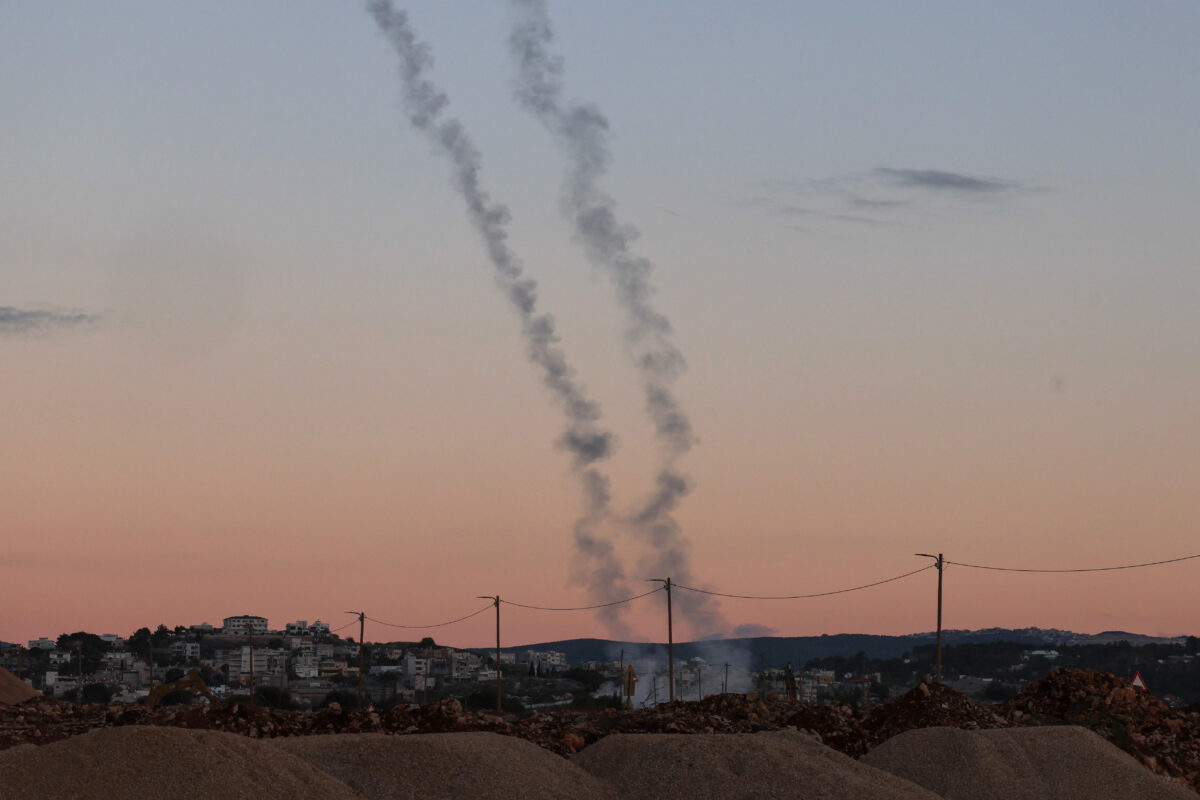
(135,763)
(779,764)
(1165,740)
(13,690)
(445,765)
(1063,762)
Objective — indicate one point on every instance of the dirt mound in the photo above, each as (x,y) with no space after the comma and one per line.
(1163,739)
(134,763)
(837,726)
(780,764)
(1063,762)
(445,765)
(13,690)
(927,705)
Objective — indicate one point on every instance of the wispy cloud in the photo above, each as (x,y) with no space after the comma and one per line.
(14,321)
(940,180)
(879,196)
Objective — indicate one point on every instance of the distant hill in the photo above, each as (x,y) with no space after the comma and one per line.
(777,651)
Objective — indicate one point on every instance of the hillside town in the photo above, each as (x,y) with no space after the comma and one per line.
(299,665)
(306,665)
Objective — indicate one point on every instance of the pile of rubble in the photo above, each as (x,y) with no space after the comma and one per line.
(928,705)
(1165,740)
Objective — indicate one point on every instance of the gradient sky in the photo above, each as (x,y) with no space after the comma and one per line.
(934,266)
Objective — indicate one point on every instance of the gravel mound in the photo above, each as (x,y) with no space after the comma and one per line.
(13,690)
(762,766)
(1165,740)
(445,765)
(1063,762)
(135,763)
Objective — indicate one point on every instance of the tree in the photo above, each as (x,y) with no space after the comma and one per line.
(97,693)
(94,649)
(139,642)
(346,698)
(272,697)
(174,674)
(428,642)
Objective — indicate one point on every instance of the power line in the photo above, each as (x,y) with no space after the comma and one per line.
(347,625)
(801,596)
(584,608)
(1087,569)
(435,625)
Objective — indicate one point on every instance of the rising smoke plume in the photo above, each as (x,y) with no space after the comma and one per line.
(596,565)
(582,132)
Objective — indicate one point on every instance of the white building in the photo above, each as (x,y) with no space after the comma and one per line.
(41,644)
(319,628)
(245,624)
(415,665)
(184,650)
(262,660)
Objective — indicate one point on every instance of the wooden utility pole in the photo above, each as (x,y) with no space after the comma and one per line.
(150,647)
(725,685)
(940,563)
(79,644)
(699,683)
(666,582)
(362,616)
(251,632)
(496,602)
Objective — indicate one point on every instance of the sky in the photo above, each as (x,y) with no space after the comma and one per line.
(932,266)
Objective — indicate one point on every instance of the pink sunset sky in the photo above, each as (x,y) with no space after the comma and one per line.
(933,298)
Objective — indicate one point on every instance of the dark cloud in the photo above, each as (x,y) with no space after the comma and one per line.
(22,320)
(942,181)
(750,629)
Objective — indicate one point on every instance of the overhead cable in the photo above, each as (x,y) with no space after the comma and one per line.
(800,596)
(583,608)
(435,625)
(1086,569)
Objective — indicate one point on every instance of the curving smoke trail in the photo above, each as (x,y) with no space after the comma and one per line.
(596,565)
(582,132)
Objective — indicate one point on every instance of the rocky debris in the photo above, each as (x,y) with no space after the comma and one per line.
(837,726)
(1163,739)
(927,705)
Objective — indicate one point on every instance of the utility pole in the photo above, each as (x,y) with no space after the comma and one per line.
(699,682)
(940,563)
(362,616)
(496,602)
(79,644)
(251,632)
(725,685)
(666,582)
(150,647)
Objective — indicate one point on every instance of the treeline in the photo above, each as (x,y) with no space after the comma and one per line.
(1168,669)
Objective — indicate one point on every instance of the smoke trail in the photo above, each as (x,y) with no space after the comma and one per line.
(596,565)
(582,131)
